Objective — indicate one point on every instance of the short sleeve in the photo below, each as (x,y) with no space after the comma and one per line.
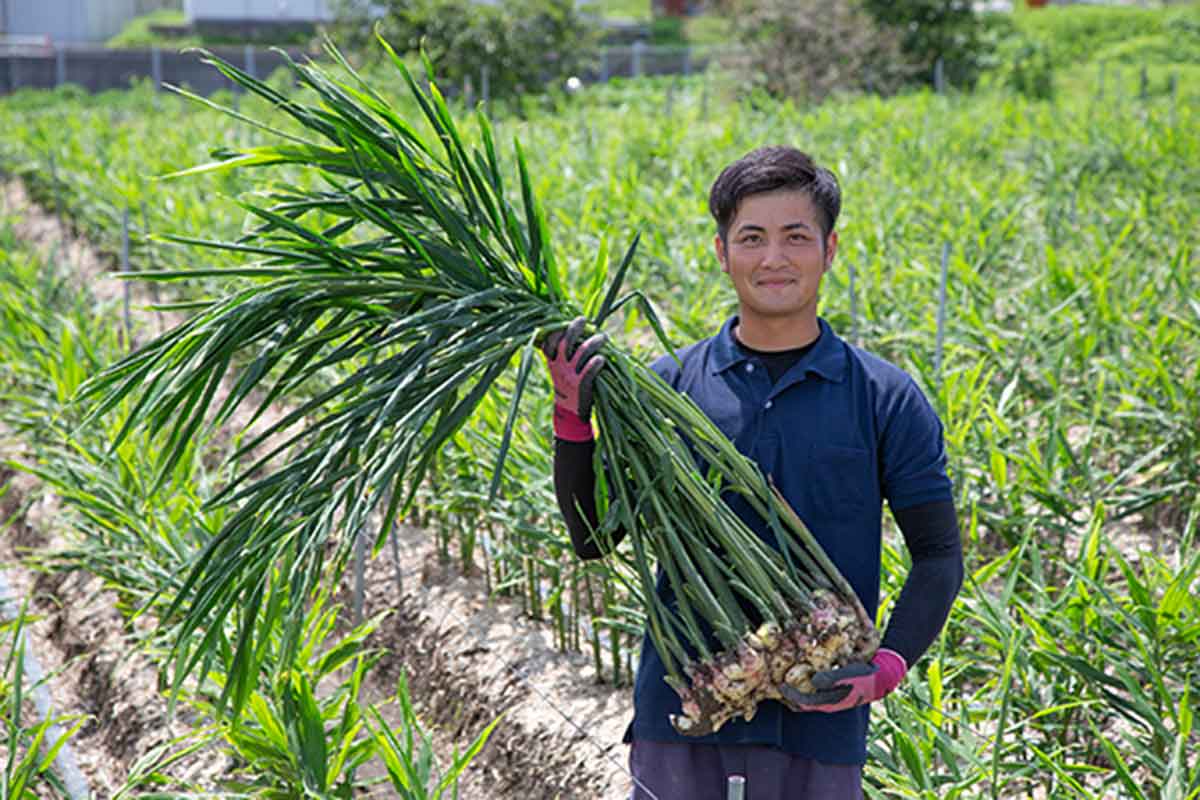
(912,450)
(667,368)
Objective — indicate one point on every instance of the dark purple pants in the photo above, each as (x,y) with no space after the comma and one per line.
(679,771)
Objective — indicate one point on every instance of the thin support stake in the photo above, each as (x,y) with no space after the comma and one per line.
(939,76)
(396,558)
(1174,89)
(636,67)
(57,194)
(853,305)
(60,66)
(941,315)
(487,559)
(154,295)
(360,572)
(125,269)
(156,74)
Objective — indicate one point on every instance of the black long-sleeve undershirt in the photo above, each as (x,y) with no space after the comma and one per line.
(930,532)
(575,489)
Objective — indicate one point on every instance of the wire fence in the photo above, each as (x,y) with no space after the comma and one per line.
(97,69)
(40,65)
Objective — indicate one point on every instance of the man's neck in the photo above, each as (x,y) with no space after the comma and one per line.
(767,335)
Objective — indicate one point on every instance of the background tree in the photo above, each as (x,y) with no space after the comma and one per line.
(522,45)
(931,29)
(807,49)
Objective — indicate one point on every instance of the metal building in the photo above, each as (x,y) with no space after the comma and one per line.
(65,21)
(258,11)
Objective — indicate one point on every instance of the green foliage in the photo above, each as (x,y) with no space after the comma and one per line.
(636,10)
(522,45)
(929,30)
(409,757)
(1082,33)
(139,31)
(297,736)
(707,29)
(1025,66)
(175,33)
(1094,657)
(1179,43)
(1039,48)
(667,31)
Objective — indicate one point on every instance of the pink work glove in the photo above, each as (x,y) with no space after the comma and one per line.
(851,685)
(573,367)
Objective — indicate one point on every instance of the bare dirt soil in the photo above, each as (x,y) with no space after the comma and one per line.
(468,658)
(86,648)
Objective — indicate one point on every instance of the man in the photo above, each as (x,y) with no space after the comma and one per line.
(838,430)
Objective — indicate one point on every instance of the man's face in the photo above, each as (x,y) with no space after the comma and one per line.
(775,256)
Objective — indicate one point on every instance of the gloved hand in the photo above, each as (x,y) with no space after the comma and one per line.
(573,367)
(851,685)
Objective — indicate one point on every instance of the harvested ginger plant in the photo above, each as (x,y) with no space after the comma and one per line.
(386,301)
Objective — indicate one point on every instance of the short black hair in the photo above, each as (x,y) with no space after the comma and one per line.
(768,169)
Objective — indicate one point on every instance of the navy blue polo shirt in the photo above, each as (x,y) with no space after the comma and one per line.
(839,432)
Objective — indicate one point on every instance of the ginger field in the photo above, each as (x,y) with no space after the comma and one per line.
(1033,263)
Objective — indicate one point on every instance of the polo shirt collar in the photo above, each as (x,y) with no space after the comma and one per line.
(827,359)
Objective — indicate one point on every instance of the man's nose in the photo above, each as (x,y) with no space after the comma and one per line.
(774,256)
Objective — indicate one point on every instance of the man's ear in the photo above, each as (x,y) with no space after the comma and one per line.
(719,246)
(831,242)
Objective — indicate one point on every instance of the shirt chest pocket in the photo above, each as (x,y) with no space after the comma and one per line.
(833,481)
